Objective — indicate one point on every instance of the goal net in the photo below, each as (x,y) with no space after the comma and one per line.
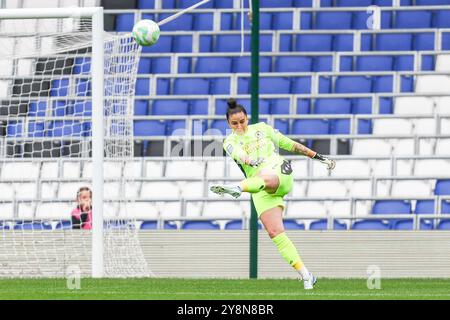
(47,146)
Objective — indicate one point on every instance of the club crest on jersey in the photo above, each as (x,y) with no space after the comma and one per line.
(259,135)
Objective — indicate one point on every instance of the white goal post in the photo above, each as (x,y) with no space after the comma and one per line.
(47,127)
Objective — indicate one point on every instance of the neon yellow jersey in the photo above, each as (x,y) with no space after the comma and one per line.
(260,140)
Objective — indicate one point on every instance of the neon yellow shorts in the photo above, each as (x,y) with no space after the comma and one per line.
(264,201)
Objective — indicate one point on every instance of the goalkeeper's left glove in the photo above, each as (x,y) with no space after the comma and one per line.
(331,164)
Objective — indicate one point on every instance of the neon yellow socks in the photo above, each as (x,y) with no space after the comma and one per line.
(253,185)
(290,254)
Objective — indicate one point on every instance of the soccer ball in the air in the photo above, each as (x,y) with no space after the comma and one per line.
(146,32)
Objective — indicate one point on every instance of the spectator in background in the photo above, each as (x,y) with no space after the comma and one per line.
(82,214)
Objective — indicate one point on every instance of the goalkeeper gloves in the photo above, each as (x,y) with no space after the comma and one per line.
(331,164)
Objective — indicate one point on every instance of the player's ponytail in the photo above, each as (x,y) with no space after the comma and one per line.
(234,107)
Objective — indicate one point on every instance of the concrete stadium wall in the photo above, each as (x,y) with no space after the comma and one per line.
(225,254)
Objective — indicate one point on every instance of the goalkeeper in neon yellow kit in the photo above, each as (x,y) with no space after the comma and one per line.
(268,177)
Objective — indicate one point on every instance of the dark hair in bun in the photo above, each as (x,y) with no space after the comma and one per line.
(234,107)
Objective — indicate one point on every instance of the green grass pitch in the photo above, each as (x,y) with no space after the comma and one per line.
(222,289)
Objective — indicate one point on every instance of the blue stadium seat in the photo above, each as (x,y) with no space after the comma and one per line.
(290,224)
(199,107)
(143,86)
(353,3)
(340,126)
(424,206)
(383,84)
(37,108)
(66,128)
(333,20)
(184,22)
(30,225)
(170,107)
(364,126)
(370,225)
(146,4)
(432,2)
(391,206)
(200,225)
(59,87)
(144,128)
(286,43)
(353,84)
(428,63)
(83,88)
(325,84)
(187,3)
(310,126)
(243,64)
(221,126)
(149,225)
(226,21)
(182,43)
(234,225)
(445,41)
(406,83)
(333,106)
(322,225)
(164,45)
(405,63)
(124,22)
(176,127)
(220,85)
(274,85)
(424,41)
(442,187)
(36,129)
(275,3)
(301,85)
(185,65)
(62,108)
(408,225)
(14,129)
(444,225)
(168,4)
(441,19)
(203,21)
(188,86)
(282,125)
(322,63)
(314,42)
(140,107)
(374,63)
(282,20)
(445,206)
(161,65)
(243,85)
(145,65)
(293,64)
(82,65)
(304,3)
(343,42)
(303,106)
(225,4)
(362,106)
(64,224)
(394,42)
(413,19)
(163,86)
(280,106)
(213,65)
(346,64)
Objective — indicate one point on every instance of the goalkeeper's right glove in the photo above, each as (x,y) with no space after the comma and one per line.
(256,163)
(331,164)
